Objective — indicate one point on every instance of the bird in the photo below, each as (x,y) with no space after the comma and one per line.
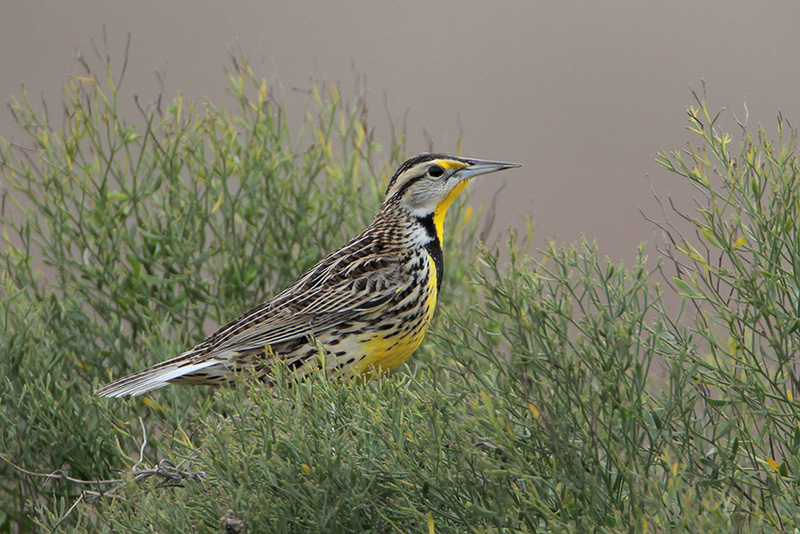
(363,309)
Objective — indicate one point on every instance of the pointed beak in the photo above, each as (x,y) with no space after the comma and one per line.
(478,167)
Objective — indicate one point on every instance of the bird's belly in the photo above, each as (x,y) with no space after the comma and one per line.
(385,340)
(386,353)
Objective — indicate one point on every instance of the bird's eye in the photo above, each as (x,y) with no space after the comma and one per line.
(435,171)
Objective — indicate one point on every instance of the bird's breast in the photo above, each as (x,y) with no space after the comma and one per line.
(403,325)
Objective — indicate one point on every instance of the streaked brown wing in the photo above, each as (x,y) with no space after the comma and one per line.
(311,305)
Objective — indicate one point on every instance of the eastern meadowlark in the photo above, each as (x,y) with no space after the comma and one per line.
(367,304)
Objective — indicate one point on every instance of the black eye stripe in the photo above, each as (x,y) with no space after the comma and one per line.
(411,181)
(408,184)
(418,160)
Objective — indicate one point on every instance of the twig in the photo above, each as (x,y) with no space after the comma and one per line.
(491,214)
(71,508)
(59,475)
(168,471)
(125,62)
(141,449)
(171,475)
(413,376)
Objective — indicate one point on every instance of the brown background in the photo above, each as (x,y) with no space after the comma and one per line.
(583,93)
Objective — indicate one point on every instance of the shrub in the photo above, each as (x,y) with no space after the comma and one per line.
(554,394)
(126,242)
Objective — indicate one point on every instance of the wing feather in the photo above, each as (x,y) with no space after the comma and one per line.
(321,309)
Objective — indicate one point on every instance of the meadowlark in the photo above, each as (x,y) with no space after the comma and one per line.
(368,304)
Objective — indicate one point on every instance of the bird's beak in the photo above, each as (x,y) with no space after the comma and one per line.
(478,167)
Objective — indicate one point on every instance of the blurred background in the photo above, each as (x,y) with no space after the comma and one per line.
(583,93)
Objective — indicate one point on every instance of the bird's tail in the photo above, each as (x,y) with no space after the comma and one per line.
(183,368)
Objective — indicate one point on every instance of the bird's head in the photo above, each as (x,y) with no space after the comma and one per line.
(428,184)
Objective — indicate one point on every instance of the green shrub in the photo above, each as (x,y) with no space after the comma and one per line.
(553,394)
(126,242)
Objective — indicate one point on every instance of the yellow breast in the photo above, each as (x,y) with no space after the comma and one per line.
(384,353)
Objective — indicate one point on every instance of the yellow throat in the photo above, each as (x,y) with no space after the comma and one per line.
(444,205)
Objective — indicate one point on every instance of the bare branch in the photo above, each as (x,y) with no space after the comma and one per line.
(66,514)
(59,475)
(141,449)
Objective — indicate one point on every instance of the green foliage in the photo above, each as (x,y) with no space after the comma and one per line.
(125,244)
(553,394)
(741,272)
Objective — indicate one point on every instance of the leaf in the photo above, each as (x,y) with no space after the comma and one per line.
(739,242)
(688,291)
(694,254)
(773,464)
(217,204)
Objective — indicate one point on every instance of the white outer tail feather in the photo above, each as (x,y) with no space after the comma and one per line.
(151,379)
